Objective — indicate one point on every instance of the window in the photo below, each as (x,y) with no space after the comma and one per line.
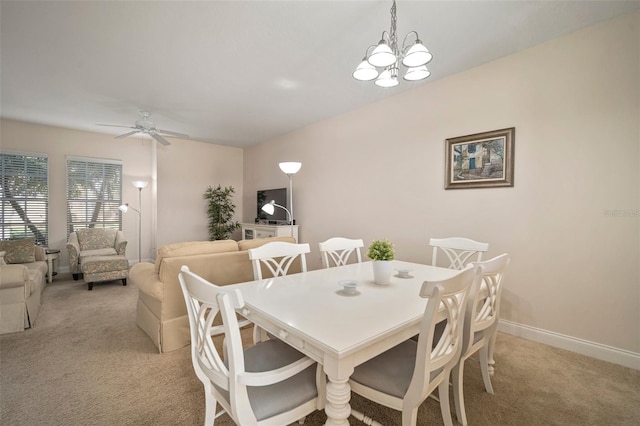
(24,196)
(94,193)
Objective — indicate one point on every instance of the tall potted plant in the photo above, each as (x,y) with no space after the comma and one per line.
(382,253)
(220,211)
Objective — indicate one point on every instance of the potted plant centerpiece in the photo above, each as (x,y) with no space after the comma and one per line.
(382,253)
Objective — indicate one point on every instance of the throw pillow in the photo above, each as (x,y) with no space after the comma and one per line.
(19,251)
(2,262)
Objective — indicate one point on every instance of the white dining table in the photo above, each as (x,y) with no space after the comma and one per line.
(310,312)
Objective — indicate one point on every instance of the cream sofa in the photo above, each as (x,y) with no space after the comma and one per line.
(161,310)
(22,281)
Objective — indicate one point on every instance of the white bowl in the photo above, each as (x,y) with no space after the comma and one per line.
(404,272)
(349,286)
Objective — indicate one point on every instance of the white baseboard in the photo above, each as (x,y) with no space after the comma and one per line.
(573,344)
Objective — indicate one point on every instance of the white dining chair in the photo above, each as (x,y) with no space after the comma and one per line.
(337,251)
(269,383)
(480,327)
(459,251)
(405,375)
(277,257)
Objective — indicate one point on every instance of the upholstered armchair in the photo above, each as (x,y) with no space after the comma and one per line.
(90,242)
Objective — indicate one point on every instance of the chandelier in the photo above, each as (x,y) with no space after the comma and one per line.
(388,57)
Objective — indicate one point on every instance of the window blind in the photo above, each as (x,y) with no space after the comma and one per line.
(94,193)
(24,196)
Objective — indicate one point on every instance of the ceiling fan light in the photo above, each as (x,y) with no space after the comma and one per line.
(382,55)
(417,73)
(386,79)
(417,55)
(365,71)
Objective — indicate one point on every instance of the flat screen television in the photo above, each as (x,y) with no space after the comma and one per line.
(279,195)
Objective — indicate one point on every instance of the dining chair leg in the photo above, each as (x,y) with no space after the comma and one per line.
(443,393)
(409,416)
(493,332)
(210,407)
(484,368)
(458,392)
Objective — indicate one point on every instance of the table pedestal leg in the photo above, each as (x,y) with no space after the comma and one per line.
(338,391)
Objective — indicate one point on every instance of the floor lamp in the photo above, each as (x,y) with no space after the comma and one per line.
(125,207)
(290,168)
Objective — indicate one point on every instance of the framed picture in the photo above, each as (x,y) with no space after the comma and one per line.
(483,160)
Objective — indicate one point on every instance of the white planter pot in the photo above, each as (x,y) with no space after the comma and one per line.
(382,270)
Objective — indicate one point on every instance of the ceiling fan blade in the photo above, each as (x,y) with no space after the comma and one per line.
(117,125)
(175,134)
(160,139)
(127,134)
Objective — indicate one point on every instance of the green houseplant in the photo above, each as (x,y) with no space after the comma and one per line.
(382,253)
(220,211)
(381,250)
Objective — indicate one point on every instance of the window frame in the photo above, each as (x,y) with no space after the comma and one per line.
(39,205)
(81,207)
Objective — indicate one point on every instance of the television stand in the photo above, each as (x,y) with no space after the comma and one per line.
(251,231)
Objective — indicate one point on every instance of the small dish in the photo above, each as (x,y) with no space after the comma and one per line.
(349,287)
(404,273)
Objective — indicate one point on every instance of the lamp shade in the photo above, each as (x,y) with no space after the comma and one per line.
(382,55)
(365,71)
(140,183)
(269,208)
(386,79)
(417,73)
(417,55)
(290,167)
(124,208)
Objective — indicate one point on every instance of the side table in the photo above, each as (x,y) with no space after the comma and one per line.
(51,255)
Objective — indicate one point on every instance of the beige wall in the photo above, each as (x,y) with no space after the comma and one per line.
(378,172)
(184,171)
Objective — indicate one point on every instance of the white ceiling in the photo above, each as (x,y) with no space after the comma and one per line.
(242,72)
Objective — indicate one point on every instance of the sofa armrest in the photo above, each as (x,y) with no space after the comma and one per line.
(121,243)
(40,254)
(143,276)
(73,247)
(12,276)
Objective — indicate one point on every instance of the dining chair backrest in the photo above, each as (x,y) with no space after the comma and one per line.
(204,301)
(277,257)
(484,307)
(459,251)
(480,327)
(405,375)
(226,380)
(337,251)
(443,353)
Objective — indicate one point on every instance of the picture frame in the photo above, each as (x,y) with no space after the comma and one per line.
(481,160)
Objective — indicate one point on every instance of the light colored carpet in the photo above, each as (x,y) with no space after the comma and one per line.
(87,363)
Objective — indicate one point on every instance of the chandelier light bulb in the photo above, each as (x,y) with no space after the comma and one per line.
(417,73)
(386,79)
(382,55)
(365,71)
(417,55)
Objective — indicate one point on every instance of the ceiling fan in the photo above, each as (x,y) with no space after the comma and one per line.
(144,125)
